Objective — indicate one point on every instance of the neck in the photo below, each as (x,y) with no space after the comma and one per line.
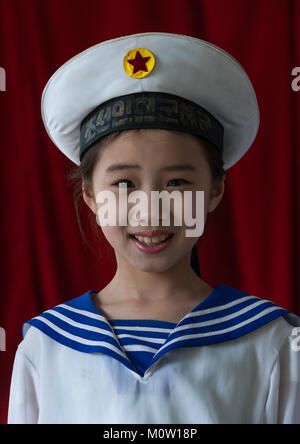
(132,283)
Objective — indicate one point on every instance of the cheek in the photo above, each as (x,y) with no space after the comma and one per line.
(193,207)
(114,236)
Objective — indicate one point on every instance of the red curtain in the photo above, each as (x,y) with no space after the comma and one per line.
(251,241)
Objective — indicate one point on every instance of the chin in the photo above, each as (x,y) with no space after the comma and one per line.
(154,266)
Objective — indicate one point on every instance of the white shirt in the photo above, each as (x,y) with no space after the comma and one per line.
(233,359)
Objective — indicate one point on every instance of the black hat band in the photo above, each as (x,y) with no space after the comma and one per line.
(149,110)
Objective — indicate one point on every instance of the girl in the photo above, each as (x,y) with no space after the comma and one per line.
(155,112)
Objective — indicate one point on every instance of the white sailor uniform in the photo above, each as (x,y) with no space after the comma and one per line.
(233,359)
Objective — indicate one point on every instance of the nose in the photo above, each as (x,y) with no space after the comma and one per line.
(151,211)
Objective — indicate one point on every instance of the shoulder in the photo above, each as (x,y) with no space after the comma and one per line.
(81,304)
(285,324)
(33,348)
(238,313)
(39,333)
(258,323)
(285,374)
(281,338)
(288,332)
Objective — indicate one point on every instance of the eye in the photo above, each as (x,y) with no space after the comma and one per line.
(122,181)
(179,180)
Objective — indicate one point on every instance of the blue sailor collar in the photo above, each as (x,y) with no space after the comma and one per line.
(226,314)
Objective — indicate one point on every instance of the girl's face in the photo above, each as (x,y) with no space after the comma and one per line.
(153,160)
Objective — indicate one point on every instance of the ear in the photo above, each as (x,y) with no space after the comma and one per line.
(88,197)
(216,195)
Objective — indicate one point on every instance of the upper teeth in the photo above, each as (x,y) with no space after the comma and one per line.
(151,240)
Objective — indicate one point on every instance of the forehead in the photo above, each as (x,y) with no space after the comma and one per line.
(152,145)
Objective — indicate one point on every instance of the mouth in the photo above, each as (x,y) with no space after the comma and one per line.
(152,244)
(152,240)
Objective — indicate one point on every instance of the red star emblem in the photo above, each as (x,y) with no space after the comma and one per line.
(139,63)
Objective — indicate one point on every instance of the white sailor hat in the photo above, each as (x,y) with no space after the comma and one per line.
(151,80)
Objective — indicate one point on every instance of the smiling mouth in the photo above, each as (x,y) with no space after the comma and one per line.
(152,240)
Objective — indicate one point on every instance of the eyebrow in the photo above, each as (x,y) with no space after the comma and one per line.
(126,166)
